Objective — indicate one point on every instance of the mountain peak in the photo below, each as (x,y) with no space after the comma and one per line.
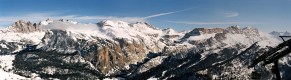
(49,20)
(24,27)
(276,33)
(112,23)
(169,31)
(145,24)
(287,33)
(46,22)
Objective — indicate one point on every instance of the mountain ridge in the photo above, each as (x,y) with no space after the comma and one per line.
(117,48)
(276,34)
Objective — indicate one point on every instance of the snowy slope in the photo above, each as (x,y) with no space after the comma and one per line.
(6,67)
(33,37)
(212,38)
(10,76)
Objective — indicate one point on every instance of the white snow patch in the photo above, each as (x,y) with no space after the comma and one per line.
(268,40)
(50,70)
(151,63)
(170,31)
(6,61)
(118,78)
(9,76)
(233,39)
(6,66)
(285,60)
(153,78)
(263,39)
(34,37)
(73,22)
(44,23)
(214,76)
(3,46)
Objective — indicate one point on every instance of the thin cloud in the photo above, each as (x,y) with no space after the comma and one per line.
(127,19)
(231,14)
(167,13)
(203,23)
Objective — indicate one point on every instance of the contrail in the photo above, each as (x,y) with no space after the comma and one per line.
(166,13)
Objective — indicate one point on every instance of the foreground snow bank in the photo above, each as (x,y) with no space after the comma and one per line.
(6,66)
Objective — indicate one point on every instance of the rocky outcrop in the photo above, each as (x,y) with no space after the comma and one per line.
(200,31)
(9,47)
(24,27)
(207,31)
(107,56)
(233,30)
(171,36)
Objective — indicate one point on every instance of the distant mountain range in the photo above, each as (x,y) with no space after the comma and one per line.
(64,49)
(277,34)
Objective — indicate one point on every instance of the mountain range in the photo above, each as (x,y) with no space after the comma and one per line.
(276,34)
(112,49)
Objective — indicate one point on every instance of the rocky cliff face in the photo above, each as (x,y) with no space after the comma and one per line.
(108,56)
(133,51)
(24,27)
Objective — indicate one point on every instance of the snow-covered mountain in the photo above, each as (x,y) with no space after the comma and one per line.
(67,49)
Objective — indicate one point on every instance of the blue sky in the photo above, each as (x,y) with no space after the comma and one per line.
(266,15)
